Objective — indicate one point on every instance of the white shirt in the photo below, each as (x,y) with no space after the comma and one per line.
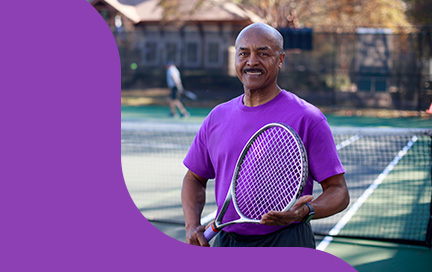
(173,77)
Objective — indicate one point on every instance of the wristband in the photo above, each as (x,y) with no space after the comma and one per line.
(310,215)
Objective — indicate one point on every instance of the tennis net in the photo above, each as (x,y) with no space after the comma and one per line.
(388,173)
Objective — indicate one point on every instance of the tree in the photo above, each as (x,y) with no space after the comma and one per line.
(419,12)
(358,13)
(319,14)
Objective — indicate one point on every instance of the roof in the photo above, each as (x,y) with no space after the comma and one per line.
(141,11)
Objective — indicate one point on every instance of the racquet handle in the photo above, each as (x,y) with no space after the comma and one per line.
(210,232)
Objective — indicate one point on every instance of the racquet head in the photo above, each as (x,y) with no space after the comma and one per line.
(271,172)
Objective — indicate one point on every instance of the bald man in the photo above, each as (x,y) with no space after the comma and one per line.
(228,127)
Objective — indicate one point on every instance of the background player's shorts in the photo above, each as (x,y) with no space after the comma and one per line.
(175,94)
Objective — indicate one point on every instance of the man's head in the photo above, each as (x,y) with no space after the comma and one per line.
(169,64)
(259,56)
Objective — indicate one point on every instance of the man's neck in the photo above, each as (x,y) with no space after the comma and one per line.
(254,98)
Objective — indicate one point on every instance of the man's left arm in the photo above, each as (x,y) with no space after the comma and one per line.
(334,199)
(177,79)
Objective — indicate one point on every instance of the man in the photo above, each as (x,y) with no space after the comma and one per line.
(174,82)
(225,131)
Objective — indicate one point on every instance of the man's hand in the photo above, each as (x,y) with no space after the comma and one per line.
(295,214)
(195,236)
(193,200)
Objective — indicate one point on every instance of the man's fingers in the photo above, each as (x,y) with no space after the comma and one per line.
(305,198)
(202,240)
(302,200)
(209,225)
(196,237)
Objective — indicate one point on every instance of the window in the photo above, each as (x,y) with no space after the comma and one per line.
(191,53)
(213,53)
(150,52)
(171,52)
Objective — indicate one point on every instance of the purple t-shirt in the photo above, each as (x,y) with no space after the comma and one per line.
(228,127)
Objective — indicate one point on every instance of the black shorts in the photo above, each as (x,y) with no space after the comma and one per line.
(295,235)
(175,94)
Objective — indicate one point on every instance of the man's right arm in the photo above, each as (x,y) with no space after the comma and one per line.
(193,200)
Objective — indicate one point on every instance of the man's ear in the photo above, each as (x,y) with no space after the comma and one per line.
(281,59)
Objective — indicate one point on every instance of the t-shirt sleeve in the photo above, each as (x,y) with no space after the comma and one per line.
(323,157)
(198,159)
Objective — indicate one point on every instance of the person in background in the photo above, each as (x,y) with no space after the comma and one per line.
(174,82)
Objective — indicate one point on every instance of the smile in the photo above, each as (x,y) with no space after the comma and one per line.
(253,72)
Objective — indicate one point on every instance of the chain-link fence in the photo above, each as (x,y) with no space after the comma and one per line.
(378,68)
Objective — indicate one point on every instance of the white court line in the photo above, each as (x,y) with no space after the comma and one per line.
(350,213)
(209,217)
(347,142)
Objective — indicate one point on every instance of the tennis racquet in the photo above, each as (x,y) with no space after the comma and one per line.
(190,95)
(270,175)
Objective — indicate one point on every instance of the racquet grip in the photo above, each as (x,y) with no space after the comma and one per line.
(210,232)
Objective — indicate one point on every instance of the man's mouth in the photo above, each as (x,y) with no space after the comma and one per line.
(253,72)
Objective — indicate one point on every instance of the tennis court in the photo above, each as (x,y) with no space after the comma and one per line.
(388,164)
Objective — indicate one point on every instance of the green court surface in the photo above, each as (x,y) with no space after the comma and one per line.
(160,113)
(371,256)
(362,254)
(366,255)
(410,211)
(363,121)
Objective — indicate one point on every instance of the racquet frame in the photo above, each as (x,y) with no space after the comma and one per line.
(217,225)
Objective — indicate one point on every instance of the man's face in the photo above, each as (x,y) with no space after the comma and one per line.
(258,59)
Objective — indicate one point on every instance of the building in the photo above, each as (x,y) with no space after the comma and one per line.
(349,69)
(193,37)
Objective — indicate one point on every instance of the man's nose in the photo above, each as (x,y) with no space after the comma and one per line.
(253,60)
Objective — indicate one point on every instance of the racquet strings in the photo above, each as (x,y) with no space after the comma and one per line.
(270,174)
